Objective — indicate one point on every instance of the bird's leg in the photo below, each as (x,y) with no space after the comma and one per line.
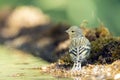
(74,66)
(78,65)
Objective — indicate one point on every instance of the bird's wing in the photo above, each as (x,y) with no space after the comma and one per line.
(81,49)
(73,51)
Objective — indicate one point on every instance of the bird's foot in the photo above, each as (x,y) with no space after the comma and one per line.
(76,68)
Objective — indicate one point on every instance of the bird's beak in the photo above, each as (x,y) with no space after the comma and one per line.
(66,31)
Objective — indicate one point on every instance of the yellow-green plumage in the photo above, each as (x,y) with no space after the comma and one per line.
(79,48)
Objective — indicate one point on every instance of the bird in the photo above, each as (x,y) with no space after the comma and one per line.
(79,47)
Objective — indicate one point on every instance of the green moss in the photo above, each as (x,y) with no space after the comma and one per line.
(105,49)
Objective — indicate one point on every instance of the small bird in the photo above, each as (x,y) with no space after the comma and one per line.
(79,47)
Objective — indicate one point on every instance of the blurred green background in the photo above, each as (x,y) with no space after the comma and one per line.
(75,11)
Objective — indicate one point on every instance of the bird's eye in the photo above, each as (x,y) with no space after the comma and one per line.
(73,31)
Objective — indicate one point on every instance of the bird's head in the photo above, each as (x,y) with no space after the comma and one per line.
(74,31)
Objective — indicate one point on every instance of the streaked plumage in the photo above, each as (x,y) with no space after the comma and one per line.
(79,48)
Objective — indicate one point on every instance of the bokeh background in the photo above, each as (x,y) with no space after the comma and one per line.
(75,11)
(32,35)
